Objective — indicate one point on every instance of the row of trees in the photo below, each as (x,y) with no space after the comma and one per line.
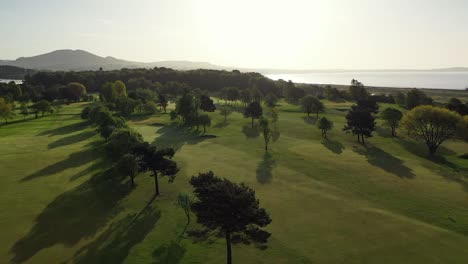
(222,207)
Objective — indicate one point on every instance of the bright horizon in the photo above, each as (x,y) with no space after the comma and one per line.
(314,34)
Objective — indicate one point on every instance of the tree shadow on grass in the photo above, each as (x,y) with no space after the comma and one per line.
(420,149)
(221,124)
(76,159)
(264,169)
(384,131)
(334,146)
(74,215)
(310,120)
(251,132)
(71,139)
(379,158)
(63,130)
(174,136)
(172,253)
(114,244)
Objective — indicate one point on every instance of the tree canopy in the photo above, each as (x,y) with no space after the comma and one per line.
(230,209)
(392,118)
(433,125)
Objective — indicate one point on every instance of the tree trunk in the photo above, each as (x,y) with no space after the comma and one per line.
(204,129)
(393,131)
(156,183)
(316,115)
(228,248)
(252,121)
(358,138)
(132,182)
(266,147)
(362,138)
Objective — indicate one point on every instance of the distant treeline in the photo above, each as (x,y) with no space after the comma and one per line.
(14,73)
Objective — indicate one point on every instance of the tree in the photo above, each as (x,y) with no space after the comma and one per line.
(6,110)
(253,110)
(360,122)
(162,102)
(357,91)
(311,104)
(271,100)
(122,140)
(400,99)
(73,91)
(185,201)
(205,121)
(232,94)
(324,125)
(415,98)
(120,88)
(456,105)
(108,92)
(392,117)
(433,125)
(266,131)
(244,96)
(126,105)
(158,161)
(43,107)
(206,104)
(24,110)
(185,107)
(225,111)
(230,209)
(129,165)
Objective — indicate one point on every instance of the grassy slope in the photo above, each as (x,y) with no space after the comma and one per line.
(330,202)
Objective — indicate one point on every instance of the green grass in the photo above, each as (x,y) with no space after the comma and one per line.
(330,202)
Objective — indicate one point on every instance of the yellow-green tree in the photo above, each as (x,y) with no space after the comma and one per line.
(6,110)
(433,125)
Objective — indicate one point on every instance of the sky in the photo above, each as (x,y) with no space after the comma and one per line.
(292,34)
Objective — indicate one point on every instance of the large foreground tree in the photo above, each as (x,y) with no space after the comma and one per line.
(229,209)
(433,125)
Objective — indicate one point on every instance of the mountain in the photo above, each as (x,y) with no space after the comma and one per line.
(79,60)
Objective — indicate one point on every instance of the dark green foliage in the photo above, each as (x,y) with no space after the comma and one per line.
(73,91)
(254,110)
(415,98)
(357,91)
(205,121)
(458,106)
(42,107)
(400,99)
(122,140)
(325,125)
(126,105)
(162,102)
(206,104)
(158,161)
(360,120)
(229,209)
(271,100)
(392,117)
(128,165)
(225,111)
(186,108)
(311,104)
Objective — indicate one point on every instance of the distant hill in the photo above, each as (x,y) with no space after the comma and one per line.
(80,60)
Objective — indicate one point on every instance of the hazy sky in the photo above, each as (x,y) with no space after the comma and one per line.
(294,34)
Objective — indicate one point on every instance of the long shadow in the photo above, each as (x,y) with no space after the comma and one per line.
(251,132)
(76,159)
(63,130)
(172,253)
(310,120)
(72,139)
(420,149)
(333,145)
(379,158)
(173,136)
(264,169)
(114,244)
(74,215)
(384,131)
